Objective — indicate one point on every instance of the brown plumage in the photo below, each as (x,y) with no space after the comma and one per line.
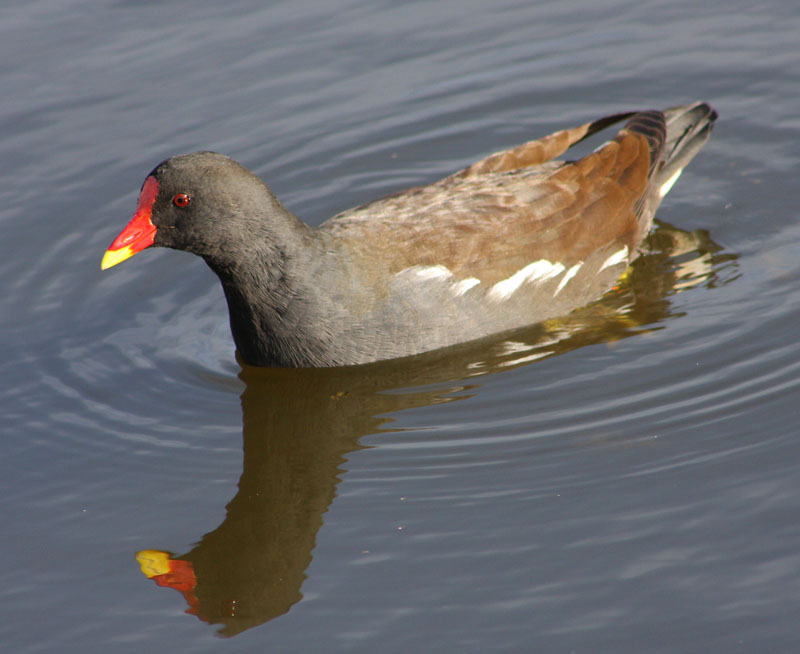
(551,209)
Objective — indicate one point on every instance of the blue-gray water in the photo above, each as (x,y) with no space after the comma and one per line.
(631,484)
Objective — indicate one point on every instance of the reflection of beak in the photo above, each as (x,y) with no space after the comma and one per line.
(166,571)
(171,573)
(140,231)
(153,562)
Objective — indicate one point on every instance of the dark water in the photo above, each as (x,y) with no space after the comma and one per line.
(626,481)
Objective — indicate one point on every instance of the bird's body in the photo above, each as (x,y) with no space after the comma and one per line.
(515,239)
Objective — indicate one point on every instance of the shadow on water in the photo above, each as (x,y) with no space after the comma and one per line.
(299,425)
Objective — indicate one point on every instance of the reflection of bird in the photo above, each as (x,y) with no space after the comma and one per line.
(514,239)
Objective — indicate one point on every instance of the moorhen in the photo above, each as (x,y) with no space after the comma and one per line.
(514,239)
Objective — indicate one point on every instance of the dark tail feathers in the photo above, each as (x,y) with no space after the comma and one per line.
(688,128)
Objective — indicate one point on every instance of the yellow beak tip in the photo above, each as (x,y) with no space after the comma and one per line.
(113,257)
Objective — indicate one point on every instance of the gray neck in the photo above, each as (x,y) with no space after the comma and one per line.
(275,297)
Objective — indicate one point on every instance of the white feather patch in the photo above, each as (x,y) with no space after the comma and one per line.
(424,274)
(668,184)
(619,256)
(569,275)
(459,288)
(540,270)
(429,272)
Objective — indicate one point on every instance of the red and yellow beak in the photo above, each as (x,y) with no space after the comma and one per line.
(140,231)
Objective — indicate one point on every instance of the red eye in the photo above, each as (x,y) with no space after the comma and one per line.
(180,200)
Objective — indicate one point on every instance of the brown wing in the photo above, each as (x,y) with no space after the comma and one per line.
(514,207)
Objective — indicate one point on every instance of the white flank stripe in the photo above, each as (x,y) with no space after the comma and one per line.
(618,257)
(536,271)
(440,274)
(668,184)
(430,272)
(459,288)
(569,275)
